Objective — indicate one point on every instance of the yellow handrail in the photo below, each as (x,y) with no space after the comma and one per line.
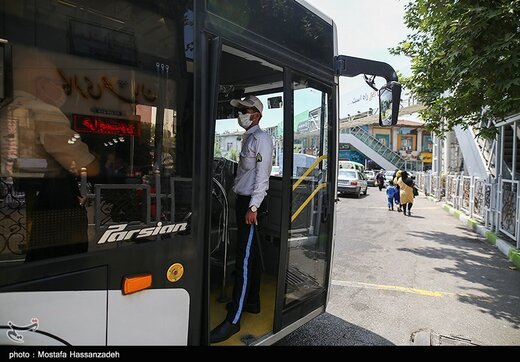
(311,196)
(309,170)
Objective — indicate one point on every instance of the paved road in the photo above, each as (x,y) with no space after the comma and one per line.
(423,279)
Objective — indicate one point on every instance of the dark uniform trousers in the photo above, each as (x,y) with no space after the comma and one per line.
(246,289)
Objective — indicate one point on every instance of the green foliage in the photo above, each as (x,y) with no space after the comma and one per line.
(216,150)
(465,61)
(233,154)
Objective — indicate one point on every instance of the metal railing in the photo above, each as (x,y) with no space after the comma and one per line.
(386,152)
(494,203)
(487,147)
(509,203)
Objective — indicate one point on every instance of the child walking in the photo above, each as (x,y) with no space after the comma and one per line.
(390,192)
(397,198)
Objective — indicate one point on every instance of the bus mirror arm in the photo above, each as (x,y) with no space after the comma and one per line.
(351,66)
(389,94)
(371,82)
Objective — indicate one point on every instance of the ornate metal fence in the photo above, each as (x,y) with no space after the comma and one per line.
(451,189)
(438,186)
(13,221)
(465,194)
(490,192)
(431,184)
(508,209)
(420,181)
(477,207)
(495,204)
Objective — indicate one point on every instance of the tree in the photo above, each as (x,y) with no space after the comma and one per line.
(465,62)
(233,154)
(216,150)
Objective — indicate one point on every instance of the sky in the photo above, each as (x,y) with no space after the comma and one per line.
(365,29)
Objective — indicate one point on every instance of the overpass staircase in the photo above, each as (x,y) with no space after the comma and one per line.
(383,155)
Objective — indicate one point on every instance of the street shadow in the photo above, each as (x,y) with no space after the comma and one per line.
(496,287)
(329,330)
(351,196)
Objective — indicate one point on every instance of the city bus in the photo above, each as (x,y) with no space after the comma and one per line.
(120,100)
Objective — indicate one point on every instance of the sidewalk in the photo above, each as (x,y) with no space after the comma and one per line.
(505,247)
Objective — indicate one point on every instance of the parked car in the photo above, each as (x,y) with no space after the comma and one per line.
(352,182)
(389,175)
(371,177)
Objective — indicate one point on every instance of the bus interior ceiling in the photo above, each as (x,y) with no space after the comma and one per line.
(243,74)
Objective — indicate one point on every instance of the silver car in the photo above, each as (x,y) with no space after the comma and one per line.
(389,176)
(371,177)
(352,182)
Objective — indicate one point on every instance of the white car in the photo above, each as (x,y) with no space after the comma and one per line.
(352,182)
(389,176)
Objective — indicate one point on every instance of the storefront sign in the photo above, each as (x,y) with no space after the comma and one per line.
(105,125)
(426,157)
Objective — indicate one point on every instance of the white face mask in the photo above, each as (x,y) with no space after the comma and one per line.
(50,92)
(244,120)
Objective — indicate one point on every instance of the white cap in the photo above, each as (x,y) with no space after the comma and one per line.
(248,102)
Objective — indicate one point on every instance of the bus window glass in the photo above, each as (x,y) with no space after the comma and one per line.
(96,147)
(290,24)
(308,232)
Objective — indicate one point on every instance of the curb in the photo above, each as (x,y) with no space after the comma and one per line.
(491,238)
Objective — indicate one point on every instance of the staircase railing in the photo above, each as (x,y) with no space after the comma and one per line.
(511,151)
(386,152)
(487,149)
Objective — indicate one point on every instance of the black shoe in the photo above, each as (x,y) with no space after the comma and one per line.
(248,308)
(223,331)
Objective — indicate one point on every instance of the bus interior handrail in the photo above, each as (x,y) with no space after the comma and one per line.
(309,170)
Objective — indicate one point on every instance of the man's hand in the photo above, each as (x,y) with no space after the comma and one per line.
(251,217)
(82,200)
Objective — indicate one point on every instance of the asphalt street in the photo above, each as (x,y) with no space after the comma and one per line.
(423,279)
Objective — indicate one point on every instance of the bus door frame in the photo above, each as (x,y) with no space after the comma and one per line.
(211,58)
(291,320)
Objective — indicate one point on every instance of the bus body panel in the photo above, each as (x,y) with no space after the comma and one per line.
(82,318)
(64,317)
(163,311)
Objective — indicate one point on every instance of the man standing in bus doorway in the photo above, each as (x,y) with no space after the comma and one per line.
(251,184)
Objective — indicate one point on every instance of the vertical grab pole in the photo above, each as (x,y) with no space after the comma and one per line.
(222,297)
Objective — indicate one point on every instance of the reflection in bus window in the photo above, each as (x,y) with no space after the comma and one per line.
(310,192)
(96,139)
(48,166)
